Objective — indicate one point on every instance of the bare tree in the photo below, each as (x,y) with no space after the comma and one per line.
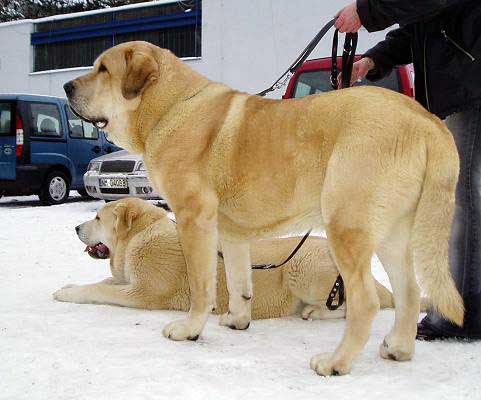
(11,10)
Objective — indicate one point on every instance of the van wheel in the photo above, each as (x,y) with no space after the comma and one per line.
(55,188)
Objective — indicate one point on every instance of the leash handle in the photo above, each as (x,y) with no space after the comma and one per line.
(334,69)
(348,55)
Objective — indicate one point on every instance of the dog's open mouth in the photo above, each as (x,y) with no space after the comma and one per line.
(100,123)
(99,251)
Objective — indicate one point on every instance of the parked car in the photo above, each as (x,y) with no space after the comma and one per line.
(314,76)
(44,148)
(117,175)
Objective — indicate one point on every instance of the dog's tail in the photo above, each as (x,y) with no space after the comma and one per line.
(432,224)
(386,298)
(425,303)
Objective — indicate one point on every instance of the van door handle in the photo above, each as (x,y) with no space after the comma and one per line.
(96,149)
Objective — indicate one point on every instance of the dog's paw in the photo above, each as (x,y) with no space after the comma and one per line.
(324,364)
(180,330)
(68,294)
(397,348)
(232,321)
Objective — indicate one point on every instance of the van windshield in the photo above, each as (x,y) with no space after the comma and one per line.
(312,82)
(5,119)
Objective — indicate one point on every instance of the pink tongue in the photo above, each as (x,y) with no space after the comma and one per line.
(100,250)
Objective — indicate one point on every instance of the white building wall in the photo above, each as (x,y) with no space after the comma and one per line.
(245,44)
(15,56)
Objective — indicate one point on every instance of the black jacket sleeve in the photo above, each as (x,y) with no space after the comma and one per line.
(392,51)
(377,15)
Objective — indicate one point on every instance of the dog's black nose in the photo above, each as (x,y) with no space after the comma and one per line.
(69,88)
(77,228)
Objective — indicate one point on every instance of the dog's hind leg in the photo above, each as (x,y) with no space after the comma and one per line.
(396,256)
(352,247)
(101,293)
(239,284)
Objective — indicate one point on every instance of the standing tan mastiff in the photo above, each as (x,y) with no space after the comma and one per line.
(370,165)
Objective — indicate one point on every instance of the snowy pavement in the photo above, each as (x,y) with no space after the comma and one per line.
(61,351)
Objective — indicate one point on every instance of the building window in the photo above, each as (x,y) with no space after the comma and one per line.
(77,42)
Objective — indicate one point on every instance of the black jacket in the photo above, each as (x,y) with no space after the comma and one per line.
(442,38)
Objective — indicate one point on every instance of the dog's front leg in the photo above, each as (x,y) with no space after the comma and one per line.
(197,227)
(239,284)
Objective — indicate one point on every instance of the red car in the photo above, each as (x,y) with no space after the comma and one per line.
(314,77)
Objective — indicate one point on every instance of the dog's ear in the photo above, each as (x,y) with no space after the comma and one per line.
(141,71)
(124,217)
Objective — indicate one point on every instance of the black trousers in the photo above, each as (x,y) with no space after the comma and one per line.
(465,242)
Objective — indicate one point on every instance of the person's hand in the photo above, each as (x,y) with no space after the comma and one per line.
(359,70)
(348,19)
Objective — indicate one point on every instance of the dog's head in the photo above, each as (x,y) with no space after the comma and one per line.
(112,223)
(108,94)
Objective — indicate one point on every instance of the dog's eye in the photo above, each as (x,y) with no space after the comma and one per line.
(97,217)
(102,68)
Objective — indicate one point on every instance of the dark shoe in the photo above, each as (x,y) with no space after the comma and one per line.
(427,334)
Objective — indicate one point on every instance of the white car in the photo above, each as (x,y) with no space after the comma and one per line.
(118,175)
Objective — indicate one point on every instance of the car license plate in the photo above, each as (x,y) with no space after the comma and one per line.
(113,182)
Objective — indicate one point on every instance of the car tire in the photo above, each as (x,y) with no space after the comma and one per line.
(55,188)
(84,194)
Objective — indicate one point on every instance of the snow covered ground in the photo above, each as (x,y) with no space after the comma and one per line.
(60,351)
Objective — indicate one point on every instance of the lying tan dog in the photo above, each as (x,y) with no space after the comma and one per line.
(149,271)
(372,166)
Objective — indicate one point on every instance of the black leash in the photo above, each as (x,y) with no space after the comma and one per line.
(299,60)
(272,266)
(347,59)
(348,54)
(337,288)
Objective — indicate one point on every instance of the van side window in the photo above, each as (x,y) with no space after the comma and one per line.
(80,129)
(5,119)
(45,119)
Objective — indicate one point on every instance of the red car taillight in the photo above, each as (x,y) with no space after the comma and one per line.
(19,131)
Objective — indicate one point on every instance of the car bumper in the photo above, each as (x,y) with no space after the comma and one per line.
(137,186)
